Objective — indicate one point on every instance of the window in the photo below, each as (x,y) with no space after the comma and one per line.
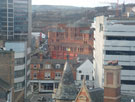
(19,61)
(80,71)
(19,85)
(128,67)
(56,85)
(93,78)
(87,77)
(82,77)
(47,86)
(101,27)
(120,38)
(19,73)
(128,82)
(35,66)
(35,75)
(57,66)
(41,66)
(47,66)
(57,75)
(47,75)
(109,52)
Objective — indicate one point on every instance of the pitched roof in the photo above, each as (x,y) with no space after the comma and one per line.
(56,30)
(97,95)
(53,62)
(67,89)
(84,93)
(35,60)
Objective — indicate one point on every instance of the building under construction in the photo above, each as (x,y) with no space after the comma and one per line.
(71,39)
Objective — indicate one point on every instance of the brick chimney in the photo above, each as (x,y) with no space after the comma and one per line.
(41,57)
(112,82)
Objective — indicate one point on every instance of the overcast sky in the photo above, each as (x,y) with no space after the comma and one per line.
(79,3)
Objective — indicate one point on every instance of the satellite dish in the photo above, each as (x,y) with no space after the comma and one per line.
(133,9)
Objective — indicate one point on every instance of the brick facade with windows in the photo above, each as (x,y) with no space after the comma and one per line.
(78,39)
(48,72)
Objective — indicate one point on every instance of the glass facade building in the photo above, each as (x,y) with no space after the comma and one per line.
(6,19)
(15,20)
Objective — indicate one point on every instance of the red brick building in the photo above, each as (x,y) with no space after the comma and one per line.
(46,73)
(76,37)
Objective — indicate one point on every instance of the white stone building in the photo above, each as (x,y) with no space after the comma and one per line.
(115,40)
(85,70)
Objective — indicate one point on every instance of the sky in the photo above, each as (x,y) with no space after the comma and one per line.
(78,3)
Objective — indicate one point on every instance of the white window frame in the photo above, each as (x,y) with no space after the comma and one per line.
(47,75)
(47,66)
(57,75)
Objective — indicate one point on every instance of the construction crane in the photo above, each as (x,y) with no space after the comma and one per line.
(117,9)
(115,4)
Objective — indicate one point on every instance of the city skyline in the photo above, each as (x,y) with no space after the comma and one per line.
(79,3)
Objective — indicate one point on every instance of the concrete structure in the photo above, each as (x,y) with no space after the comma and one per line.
(85,70)
(114,40)
(6,76)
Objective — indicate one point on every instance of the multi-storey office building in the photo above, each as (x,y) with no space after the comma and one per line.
(15,30)
(15,19)
(114,40)
(6,19)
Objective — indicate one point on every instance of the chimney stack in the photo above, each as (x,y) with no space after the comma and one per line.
(41,56)
(112,83)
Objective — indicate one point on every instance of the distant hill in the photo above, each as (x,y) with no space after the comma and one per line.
(47,15)
(53,7)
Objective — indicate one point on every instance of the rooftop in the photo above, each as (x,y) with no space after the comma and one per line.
(67,89)
(56,30)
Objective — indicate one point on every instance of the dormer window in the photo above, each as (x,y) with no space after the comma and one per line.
(47,66)
(57,66)
(35,66)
